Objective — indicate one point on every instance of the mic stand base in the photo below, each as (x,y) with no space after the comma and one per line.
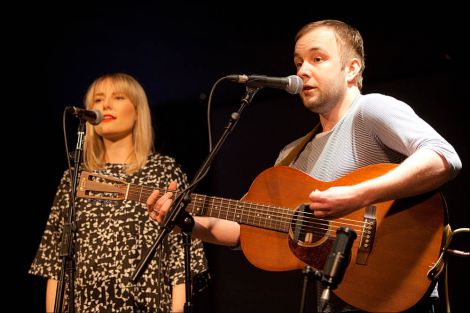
(309,274)
(186,229)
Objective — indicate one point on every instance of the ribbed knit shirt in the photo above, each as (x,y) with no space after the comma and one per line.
(376,129)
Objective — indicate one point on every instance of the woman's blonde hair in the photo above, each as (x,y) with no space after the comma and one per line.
(142,133)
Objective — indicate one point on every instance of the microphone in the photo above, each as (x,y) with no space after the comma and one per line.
(337,262)
(93,117)
(292,84)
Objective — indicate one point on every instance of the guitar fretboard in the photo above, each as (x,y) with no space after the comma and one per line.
(248,213)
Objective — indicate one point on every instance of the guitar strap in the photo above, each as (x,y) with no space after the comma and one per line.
(287,160)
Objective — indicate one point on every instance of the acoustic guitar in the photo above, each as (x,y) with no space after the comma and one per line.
(392,260)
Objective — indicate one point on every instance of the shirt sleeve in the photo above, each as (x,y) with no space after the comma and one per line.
(396,125)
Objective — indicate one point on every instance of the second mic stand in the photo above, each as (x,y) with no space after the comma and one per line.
(309,274)
(177,214)
(67,251)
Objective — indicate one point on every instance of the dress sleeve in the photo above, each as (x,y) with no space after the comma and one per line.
(47,262)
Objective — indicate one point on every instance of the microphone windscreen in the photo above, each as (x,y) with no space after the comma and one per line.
(295,84)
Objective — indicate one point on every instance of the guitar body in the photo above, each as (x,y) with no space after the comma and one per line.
(406,244)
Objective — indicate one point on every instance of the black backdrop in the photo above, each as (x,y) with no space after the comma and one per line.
(177,51)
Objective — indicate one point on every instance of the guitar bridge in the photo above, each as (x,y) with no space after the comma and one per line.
(368,235)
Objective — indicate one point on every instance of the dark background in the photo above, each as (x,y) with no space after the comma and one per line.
(177,51)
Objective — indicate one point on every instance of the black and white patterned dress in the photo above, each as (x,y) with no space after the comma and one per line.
(112,238)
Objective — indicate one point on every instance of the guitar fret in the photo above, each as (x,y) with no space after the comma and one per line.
(266,220)
(215,207)
(239,215)
(226,213)
(235,216)
(211,200)
(269,220)
(200,210)
(220,208)
(205,203)
(276,218)
(244,216)
(261,220)
(249,215)
(257,217)
(232,217)
(140,194)
(231,204)
(234,205)
(284,224)
(192,206)
(279,221)
(127,191)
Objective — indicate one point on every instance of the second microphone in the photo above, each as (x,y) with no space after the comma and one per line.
(93,117)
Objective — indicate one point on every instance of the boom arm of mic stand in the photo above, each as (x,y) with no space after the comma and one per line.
(178,215)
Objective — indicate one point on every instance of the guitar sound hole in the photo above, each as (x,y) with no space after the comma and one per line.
(307,230)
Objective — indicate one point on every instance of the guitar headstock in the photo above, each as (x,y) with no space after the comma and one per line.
(102,187)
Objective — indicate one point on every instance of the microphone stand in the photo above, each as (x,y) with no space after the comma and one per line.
(68,235)
(177,214)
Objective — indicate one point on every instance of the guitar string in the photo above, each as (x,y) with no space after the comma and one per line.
(288,212)
(262,213)
(271,221)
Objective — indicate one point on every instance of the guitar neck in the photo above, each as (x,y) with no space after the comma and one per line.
(248,213)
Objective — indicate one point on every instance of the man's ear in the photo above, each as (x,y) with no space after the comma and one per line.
(353,69)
